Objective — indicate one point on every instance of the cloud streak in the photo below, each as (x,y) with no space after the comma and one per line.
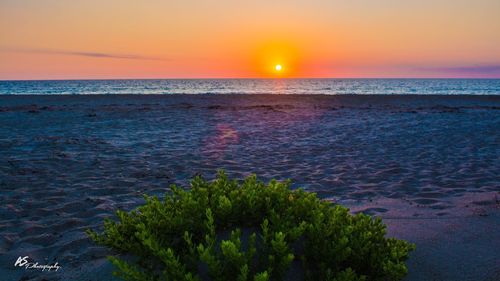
(471,69)
(464,69)
(80,54)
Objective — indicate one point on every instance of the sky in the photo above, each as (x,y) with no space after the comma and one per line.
(109,39)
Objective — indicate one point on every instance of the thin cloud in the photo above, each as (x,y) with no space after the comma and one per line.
(80,54)
(472,69)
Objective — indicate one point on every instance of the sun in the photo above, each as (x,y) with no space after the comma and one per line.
(278,67)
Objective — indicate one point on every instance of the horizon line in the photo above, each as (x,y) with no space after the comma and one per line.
(255,78)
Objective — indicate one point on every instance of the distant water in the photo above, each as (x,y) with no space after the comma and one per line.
(256,86)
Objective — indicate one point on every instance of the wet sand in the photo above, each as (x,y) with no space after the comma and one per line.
(428,165)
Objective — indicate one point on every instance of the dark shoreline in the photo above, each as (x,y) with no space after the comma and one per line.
(411,100)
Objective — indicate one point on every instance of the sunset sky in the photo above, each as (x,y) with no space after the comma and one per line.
(102,39)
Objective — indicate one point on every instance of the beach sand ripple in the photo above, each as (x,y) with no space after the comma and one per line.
(426,164)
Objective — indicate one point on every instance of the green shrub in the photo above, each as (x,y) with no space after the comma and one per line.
(230,230)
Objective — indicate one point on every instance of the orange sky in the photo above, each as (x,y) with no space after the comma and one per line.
(56,39)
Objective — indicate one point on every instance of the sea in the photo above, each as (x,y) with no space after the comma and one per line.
(255,86)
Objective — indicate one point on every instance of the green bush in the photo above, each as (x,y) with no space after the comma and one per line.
(231,230)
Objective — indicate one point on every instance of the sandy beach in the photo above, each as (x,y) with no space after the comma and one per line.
(428,165)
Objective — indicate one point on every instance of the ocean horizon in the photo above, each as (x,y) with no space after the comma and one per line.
(301,86)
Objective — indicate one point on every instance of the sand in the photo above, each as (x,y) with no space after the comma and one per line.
(428,165)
